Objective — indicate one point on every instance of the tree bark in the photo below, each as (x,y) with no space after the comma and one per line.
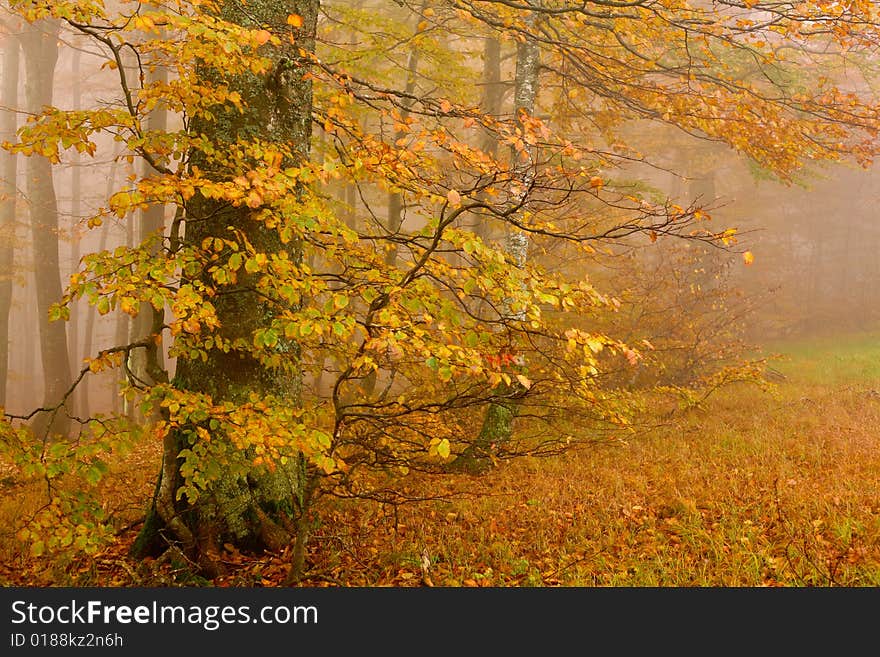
(395,198)
(8,196)
(258,510)
(91,311)
(149,321)
(40,46)
(73,325)
(498,423)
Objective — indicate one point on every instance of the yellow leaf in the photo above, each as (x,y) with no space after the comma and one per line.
(748,258)
(524,382)
(443,448)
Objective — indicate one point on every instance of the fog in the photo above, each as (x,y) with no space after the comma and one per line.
(815,240)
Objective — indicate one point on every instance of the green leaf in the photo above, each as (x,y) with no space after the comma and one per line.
(57,311)
(93,475)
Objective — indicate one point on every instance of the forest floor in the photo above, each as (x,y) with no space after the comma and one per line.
(752,488)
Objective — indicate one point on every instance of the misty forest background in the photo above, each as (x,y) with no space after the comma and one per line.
(724,435)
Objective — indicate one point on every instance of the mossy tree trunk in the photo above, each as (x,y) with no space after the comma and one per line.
(498,422)
(251,511)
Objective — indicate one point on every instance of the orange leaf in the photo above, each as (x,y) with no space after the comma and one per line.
(262,36)
(295,20)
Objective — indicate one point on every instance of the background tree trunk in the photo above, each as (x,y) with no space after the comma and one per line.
(395,198)
(491,105)
(498,422)
(149,321)
(40,45)
(8,196)
(76,188)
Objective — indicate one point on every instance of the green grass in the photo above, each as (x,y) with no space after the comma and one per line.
(838,360)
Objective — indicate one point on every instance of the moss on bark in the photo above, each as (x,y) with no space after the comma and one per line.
(248,508)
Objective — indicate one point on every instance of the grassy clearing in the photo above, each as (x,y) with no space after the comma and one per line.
(831,361)
(751,489)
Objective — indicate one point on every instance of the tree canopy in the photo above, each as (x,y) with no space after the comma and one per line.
(384,225)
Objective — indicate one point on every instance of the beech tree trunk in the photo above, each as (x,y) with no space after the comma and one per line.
(498,423)
(149,321)
(253,511)
(395,199)
(87,384)
(73,325)
(40,45)
(8,195)
(491,104)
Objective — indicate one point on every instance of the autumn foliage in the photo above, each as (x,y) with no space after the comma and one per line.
(396,334)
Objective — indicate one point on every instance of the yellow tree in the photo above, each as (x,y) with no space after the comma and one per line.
(268,286)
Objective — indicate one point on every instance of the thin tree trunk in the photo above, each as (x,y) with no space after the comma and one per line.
(73,325)
(148,321)
(91,317)
(493,98)
(395,199)
(8,196)
(498,423)
(40,45)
